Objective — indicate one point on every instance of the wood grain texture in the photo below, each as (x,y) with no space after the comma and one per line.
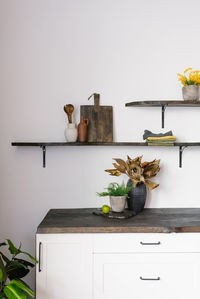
(100,122)
(149,221)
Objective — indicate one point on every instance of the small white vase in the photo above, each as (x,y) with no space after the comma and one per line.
(71,133)
(118,203)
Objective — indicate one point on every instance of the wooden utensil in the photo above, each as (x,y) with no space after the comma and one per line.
(69,108)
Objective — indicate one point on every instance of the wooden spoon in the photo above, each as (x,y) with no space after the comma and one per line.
(69,108)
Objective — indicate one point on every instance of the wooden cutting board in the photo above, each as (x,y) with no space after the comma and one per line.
(100,120)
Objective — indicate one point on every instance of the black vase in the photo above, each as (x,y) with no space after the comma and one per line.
(137,197)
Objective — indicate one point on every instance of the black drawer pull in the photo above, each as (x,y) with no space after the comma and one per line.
(39,264)
(157,243)
(158,278)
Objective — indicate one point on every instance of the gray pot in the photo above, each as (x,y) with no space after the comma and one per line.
(118,203)
(190,93)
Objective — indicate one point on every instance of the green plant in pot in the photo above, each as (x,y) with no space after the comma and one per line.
(117,194)
(139,175)
(12,270)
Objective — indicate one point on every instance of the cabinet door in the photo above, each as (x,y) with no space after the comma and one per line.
(65,267)
(141,276)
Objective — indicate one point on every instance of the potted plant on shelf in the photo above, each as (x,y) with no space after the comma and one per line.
(191,84)
(12,270)
(139,175)
(117,194)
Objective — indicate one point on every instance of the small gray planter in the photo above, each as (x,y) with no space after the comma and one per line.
(190,93)
(118,203)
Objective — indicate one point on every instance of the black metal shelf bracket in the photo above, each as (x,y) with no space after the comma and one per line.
(43,147)
(181,149)
(163,115)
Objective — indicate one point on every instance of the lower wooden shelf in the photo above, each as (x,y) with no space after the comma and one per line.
(43,145)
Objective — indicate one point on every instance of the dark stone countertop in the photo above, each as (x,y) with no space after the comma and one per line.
(165,220)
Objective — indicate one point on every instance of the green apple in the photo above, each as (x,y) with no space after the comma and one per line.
(105,209)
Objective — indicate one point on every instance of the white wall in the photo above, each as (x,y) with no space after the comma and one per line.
(54,52)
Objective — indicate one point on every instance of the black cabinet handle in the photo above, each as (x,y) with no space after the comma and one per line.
(39,263)
(158,278)
(143,243)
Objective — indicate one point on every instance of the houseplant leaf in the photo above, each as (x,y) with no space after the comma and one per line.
(2,267)
(24,262)
(4,257)
(1,275)
(12,248)
(15,251)
(13,292)
(15,264)
(30,256)
(16,271)
(23,287)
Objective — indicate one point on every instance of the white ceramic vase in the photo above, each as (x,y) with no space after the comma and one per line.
(71,133)
(118,203)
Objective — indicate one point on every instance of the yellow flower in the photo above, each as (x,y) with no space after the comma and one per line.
(193,77)
(189,69)
(183,79)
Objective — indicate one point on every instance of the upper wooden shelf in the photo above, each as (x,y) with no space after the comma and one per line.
(163,104)
(177,103)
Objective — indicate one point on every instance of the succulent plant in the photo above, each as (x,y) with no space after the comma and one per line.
(137,171)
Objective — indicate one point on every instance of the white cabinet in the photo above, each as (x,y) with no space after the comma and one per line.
(118,266)
(142,276)
(64,269)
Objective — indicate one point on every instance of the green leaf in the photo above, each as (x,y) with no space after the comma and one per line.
(16,271)
(30,256)
(13,292)
(2,295)
(24,262)
(15,264)
(114,189)
(1,275)
(12,248)
(15,251)
(23,287)
(2,267)
(4,258)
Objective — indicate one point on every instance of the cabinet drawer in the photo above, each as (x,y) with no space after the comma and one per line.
(127,243)
(139,276)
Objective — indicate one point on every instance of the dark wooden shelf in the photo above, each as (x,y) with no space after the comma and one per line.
(43,145)
(163,104)
(78,144)
(40,144)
